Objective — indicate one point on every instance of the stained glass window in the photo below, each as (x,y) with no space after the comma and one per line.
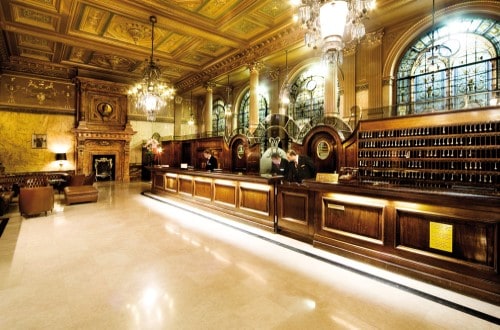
(454,66)
(218,117)
(307,95)
(244,109)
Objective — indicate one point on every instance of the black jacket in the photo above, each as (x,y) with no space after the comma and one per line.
(304,169)
(211,164)
(281,169)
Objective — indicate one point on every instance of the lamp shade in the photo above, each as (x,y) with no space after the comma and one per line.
(333,16)
(61,156)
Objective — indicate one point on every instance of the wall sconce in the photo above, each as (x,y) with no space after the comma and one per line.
(61,158)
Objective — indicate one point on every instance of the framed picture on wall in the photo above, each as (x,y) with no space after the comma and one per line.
(39,141)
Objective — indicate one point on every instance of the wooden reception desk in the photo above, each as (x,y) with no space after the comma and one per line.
(247,197)
(445,237)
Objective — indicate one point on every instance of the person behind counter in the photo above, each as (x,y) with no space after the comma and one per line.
(300,167)
(211,163)
(279,165)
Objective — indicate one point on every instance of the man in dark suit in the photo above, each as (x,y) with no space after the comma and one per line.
(211,163)
(279,165)
(300,167)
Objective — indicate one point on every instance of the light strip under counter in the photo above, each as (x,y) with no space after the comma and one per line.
(255,186)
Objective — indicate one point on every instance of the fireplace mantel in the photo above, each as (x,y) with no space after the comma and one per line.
(102,126)
(96,143)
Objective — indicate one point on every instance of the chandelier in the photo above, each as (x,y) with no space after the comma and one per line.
(152,93)
(329,23)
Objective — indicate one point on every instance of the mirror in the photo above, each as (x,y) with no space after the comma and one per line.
(323,149)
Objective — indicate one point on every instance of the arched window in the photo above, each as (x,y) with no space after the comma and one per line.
(244,109)
(307,95)
(218,117)
(454,66)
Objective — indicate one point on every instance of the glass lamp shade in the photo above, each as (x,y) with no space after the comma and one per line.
(332,18)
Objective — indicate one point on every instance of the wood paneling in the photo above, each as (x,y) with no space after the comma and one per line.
(357,219)
(247,197)
(225,193)
(473,241)
(203,188)
(255,200)
(186,185)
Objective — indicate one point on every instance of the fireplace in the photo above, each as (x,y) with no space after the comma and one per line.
(103,137)
(104,167)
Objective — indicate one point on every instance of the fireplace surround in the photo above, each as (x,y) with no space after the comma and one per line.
(102,127)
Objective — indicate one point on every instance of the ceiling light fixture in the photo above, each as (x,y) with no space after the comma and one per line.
(326,21)
(152,94)
(191,117)
(228,107)
(285,90)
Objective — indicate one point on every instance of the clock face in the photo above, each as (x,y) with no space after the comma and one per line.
(311,85)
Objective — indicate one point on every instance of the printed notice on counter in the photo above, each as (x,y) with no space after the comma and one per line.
(441,236)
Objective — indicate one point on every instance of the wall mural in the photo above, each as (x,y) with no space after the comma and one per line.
(28,92)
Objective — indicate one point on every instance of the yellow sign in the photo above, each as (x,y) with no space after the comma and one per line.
(441,236)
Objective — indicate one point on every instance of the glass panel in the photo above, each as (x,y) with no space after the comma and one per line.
(452,67)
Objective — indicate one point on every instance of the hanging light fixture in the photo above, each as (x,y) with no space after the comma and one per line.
(152,93)
(191,117)
(285,90)
(433,65)
(228,107)
(325,23)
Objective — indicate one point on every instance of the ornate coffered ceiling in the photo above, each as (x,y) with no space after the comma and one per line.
(196,41)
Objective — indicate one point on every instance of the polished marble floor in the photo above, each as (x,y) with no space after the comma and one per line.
(134,262)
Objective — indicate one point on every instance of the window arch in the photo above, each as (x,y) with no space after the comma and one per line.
(307,95)
(218,117)
(453,66)
(244,109)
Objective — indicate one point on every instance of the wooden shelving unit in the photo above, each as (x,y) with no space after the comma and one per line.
(442,151)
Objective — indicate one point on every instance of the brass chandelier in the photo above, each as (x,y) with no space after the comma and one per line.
(328,24)
(152,93)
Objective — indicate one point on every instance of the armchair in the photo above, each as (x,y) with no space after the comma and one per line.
(36,200)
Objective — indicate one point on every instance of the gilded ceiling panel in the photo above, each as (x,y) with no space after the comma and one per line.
(113,62)
(48,4)
(216,8)
(34,18)
(246,28)
(191,5)
(28,41)
(93,20)
(275,8)
(196,58)
(35,54)
(125,30)
(212,49)
(78,55)
(172,43)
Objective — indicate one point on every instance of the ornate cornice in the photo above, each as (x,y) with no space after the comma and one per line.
(32,67)
(102,86)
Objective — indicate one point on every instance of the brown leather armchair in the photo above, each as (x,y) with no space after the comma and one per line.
(36,200)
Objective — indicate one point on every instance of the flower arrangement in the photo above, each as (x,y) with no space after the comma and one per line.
(152,144)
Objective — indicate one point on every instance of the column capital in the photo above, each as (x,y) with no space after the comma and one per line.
(387,81)
(209,86)
(375,38)
(255,66)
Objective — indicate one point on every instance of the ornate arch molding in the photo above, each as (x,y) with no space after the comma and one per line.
(489,8)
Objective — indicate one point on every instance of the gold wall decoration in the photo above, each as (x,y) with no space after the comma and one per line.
(34,93)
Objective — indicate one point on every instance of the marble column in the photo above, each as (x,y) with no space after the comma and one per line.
(207,121)
(253,120)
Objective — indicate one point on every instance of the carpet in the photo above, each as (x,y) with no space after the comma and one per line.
(3,224)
